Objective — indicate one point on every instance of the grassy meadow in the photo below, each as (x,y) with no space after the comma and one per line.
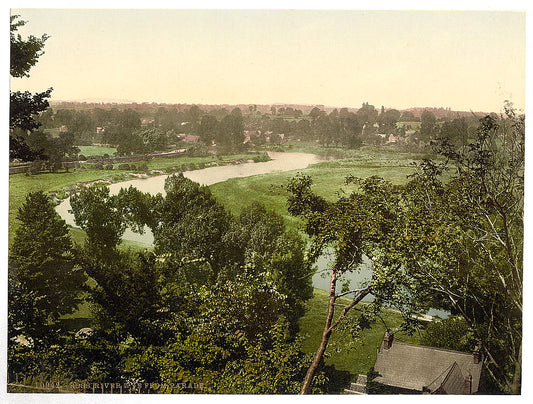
(328,179)
(96,150)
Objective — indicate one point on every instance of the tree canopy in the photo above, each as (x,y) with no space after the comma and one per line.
(23,105)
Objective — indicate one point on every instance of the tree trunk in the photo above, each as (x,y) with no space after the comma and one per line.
(516,387)
(325,335)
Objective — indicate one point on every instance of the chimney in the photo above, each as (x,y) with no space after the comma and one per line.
(467,385)
(477,355)
(387,339)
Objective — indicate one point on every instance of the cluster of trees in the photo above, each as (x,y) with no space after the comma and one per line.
(451,238)
(219,298)
(217,302)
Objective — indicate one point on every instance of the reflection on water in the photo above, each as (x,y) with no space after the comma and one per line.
(358,278)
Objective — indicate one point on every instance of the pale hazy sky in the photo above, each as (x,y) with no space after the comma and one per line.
(459,59)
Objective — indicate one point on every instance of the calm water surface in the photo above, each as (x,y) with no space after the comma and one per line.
(206,176)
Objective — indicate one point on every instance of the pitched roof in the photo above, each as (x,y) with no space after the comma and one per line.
(416,367)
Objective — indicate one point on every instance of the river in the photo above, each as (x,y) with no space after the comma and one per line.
(206,176)
(212,175)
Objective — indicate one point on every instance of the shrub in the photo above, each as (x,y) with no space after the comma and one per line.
(261,158)
(124,166)
(109,166)
(82,157)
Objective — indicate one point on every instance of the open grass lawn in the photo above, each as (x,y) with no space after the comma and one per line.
(356,356)
(96,150)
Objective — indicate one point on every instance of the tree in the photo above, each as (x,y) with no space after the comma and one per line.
(190,225)
(262,245)
(455,132)
(24,53)
(465,241)
(388,120)
(24,105)
(44,281)
(100,216)
(231,131)
(316,112)
(407,116)
(207,129)
(427,126)
(362,224)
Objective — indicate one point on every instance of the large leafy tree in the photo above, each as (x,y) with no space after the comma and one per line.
(219,295)
(362,224)
(44,281)
(464,238)
(24,106)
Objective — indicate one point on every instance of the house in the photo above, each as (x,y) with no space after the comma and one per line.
(188,138)
(408,368)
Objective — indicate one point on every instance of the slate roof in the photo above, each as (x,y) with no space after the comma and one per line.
(421,368)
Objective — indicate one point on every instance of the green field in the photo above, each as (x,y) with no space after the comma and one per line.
(96,150)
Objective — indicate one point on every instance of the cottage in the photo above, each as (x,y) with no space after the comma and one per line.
(408,368)
(188,138)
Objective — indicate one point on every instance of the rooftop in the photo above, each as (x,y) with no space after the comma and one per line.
(421,368)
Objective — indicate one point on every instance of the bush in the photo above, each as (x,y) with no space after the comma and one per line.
(109,166)
(451,333)
(124,166)
(261,158)
(98,166)
(82,157)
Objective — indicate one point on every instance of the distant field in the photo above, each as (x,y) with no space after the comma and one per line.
(414,125)
(96,150)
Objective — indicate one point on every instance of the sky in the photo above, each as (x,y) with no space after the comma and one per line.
(400,59)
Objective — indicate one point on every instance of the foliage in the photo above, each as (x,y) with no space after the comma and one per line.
(98,214)
(451,333)
(24,53)
(141,141)
(464,238)
(43,280)
(24,105)
(361,224)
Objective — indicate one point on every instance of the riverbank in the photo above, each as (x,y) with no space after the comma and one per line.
(60,184)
